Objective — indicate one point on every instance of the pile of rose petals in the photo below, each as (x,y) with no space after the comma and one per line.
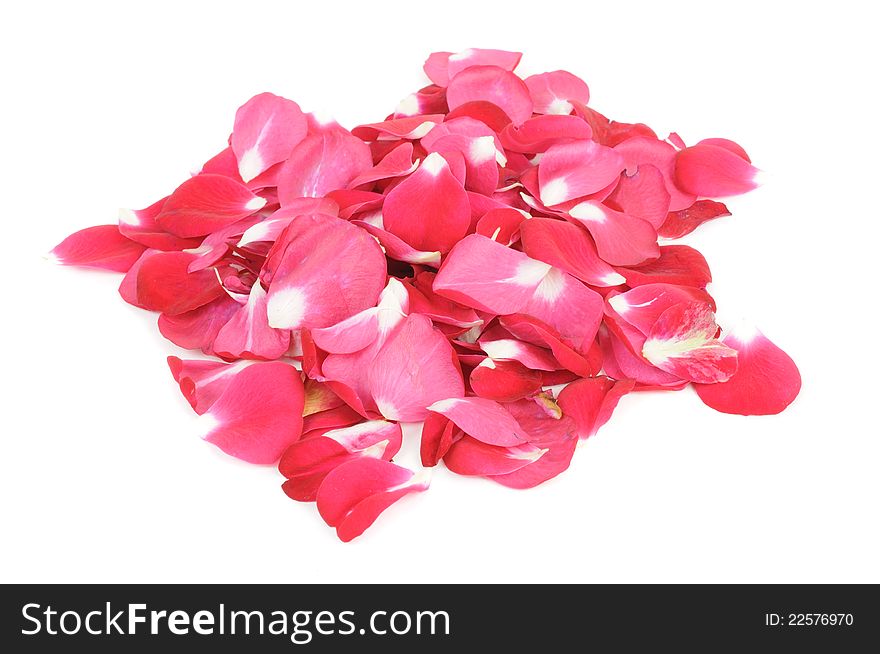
(491,261)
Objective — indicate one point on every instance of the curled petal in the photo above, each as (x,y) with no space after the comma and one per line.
(398,249)
(677,264)
(438,434)
(140,225)
(642,306)
(443,66)
(528,328)
(197,329)
(486,112)
(308,461)
(412,128)
(511,349)
(270,228)
(540,133)
(552,463)
(397,163)
(203,382)
(591,401)
(428,100)
(333,418)
(353,495)
(424,300)
(611,132)
(683,222)
(436,67)
(622,363)
(482,57)
(642,195)
(568,306)
(727,144)
(501,224)
(638,151)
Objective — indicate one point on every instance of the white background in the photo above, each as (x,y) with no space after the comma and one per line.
(112,105)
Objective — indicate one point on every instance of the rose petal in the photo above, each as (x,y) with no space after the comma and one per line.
(429,210)
(485,420)
(328,271)
(591,401)
(267,129)
(353,495)
(494,85)
(259,413)
(98,247)
(206,203)
(324,161)
(552,91)
(765,382)
(573,170)
(248,334)
(714,171)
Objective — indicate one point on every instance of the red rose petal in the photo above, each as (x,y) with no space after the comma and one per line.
(552,91)
(206,203)
(414,368)
(677,264)
(485,420)
(568,247)
(591,401)
(573,170)
(267,128)
(353,495)
(329,271)
(165,284)
(469,456)
(326,160)
(258,415)
(98,247)
(682,342)
(714,171)
(683,222)
(494,85)
(429,210)
(504,381)
(307,462)
(247,334)
(765,383)
(197,329)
